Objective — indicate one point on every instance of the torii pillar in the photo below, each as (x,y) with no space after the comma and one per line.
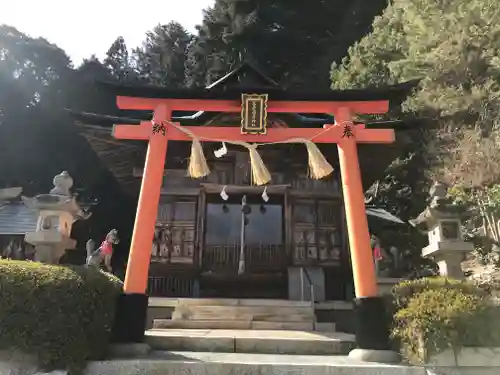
(371,319)
(132,306)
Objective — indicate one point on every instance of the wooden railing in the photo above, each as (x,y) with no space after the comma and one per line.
(170,286)
(258,258)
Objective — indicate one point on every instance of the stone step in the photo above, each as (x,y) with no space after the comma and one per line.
(250,341)
(232,302)
(241,324)
(175,363)
(325,327)
(254,309)
(229,311)
(233,324)
(248,316)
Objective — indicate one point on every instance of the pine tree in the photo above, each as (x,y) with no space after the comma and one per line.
(162,58)
(117,61)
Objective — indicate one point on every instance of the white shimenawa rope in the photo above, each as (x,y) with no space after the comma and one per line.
(319,167)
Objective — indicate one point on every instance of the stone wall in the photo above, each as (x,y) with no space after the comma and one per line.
(469,361)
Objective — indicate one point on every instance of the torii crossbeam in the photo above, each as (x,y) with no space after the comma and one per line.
(372,333)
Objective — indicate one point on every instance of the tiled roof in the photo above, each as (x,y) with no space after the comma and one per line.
(16,218)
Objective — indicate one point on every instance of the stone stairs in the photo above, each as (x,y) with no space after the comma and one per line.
(246,326)
(243,314)
(192,363)
(250,341)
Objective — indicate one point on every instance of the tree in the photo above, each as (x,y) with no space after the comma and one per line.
(470,166)
(451,46)
(28,69)
(162,58)
(38,139)
(118,62)
(293,41)
(33,74)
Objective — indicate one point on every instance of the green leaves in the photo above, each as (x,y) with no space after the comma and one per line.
(452,46)
(437,314)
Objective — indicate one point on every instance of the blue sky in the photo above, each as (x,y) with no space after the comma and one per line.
(89,27)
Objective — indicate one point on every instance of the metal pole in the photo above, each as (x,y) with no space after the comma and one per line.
(241,263)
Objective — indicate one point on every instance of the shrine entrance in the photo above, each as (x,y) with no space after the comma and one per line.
(372,331)
(244,254)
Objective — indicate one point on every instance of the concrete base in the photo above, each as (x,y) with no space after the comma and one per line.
(378,356)
(175,363)
(130,319)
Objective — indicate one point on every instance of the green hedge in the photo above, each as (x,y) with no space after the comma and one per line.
(436,314)
(63,315)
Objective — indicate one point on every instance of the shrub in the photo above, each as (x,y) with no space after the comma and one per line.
(447,316)
(406,290)
(63,315)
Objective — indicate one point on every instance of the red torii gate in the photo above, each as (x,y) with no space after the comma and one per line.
(371,333)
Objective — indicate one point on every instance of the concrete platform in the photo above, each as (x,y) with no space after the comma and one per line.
(251,341)
(176,363)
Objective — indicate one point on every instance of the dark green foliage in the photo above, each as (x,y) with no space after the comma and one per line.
(118,62)
(162,58)
(292,41)
(63,315)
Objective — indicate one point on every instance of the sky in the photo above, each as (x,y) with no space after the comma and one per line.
(90,27)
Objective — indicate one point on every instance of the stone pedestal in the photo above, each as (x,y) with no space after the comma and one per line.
(448,255)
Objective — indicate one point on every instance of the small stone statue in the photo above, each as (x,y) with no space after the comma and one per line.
(104,253)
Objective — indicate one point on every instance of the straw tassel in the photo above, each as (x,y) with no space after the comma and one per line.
(198,166)
(318,165)
(260,173)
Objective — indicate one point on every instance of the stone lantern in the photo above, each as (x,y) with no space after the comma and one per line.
(442,221)
(57,211)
